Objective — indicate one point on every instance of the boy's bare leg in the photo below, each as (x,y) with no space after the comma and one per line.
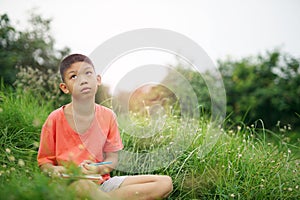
(144,187)
(88,189)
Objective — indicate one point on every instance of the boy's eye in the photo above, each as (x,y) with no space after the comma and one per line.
(89,73)
(73,76)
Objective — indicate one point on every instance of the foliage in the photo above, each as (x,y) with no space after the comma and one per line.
(264,87)
(34,185)
(174,92)
(33,47)
(196,82)
(44,83)
(145,98)
(22,110)
(240,165)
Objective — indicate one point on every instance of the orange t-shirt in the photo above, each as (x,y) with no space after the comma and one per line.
(60,144)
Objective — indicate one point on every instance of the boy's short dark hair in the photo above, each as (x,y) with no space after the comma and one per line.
(71,59)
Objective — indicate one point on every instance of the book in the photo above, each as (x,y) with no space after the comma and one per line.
(83,176)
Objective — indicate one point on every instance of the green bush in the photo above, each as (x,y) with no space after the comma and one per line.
(263,87)
(40,83)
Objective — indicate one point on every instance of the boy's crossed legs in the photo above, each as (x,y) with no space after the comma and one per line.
(144,187)
(133,187)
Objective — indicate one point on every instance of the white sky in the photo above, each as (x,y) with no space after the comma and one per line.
(221,27)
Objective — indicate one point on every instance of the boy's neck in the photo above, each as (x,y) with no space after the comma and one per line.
(85,108)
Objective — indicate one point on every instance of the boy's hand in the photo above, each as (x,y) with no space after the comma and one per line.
(54,171)
(57,171)
(86,168)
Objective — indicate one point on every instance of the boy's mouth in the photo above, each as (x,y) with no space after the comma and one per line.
(85,89)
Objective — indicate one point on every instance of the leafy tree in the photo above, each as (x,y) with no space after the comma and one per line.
(8,54)
(265,87)
(196,85)
(33,47)
(262,87)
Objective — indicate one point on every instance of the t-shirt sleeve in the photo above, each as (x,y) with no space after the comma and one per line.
(113,141)
(46,152)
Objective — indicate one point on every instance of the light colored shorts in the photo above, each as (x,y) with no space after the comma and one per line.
(112,183)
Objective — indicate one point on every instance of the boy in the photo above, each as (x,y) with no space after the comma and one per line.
(83,133)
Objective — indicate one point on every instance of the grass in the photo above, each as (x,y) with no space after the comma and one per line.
(241,163)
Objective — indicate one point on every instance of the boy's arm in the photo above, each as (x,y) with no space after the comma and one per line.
(112,157)
(47,147)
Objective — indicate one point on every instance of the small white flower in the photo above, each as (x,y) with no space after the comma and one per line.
(7,150)
(21,163)
(36,144)
(11,158)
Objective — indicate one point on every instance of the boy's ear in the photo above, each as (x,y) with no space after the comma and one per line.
(98,80)
(64,88)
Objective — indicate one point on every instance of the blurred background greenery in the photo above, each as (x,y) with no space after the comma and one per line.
(261,87)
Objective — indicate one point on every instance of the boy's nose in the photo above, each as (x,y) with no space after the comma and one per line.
(82,80)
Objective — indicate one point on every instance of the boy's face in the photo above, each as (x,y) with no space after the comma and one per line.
(80,80)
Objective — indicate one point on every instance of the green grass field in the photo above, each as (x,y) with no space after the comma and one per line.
(242,162)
